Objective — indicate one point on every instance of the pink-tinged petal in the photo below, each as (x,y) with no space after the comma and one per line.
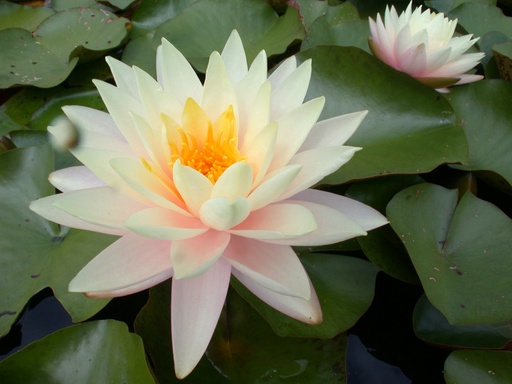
(465,79)
(293,128)
(222,214)
(102,206)
(275,267)
(164,224)
(414,60)
(233,56)
(334,131)
(333,226)
(235,182)
(277,221)
(147,184)
(46,207)
(273,187)
(213,102)
(192,257)
(175,73)
(307,311)
(260,152)
(367,217)
(316,164)
(125,266)
(196,304)
(193,186)
(74,178)
(290,94)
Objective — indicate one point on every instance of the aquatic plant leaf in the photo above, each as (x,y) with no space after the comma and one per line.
(409,128)
(94,352)
(37,253)
(461,251)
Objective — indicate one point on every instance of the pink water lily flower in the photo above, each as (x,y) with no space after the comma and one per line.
(202,181)
(422,45)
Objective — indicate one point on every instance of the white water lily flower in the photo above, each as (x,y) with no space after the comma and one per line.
(205,181)
(422,45)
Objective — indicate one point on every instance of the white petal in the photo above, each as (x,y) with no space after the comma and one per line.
(260,152)
(222,214)
(164,224)
(275,267)
(334,131)
(307,311)
(194,187)
(176,75)
(196,304)
(291,91)
(193,256)
(125,266)
(92,120)
(233,55)
(124,76)
(74,178)
(235,182)
(46,207)
(283,71)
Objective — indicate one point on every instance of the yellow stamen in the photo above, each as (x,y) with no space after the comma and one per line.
(206,147)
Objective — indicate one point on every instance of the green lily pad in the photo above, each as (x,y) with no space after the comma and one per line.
(431,326)
(255,354)
(46,56)
(62,5)
(460,251)
(213,20)
(95,352)
(381,246)
(478,19)
(478,367)
(345,288)
(503,55)
(22,16)
(484,112)
(150,15)
(37,253)
(447,5)
(409,128)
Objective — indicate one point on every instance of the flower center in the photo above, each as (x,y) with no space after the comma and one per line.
(206,147)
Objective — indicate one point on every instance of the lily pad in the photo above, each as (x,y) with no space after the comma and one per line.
(484,112)
(95,352)
(345,288)
(213,20)
(46,56)
(478,367)
(22,16)
(431,326)
(409,128)
(37,253)
(478,19)
(460,251)
(503,55)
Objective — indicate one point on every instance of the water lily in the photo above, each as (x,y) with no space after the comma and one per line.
(202,181)
(422,45)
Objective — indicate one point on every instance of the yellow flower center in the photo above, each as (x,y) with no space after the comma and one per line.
(206,147)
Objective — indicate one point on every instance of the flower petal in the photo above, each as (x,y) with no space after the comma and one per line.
(101,206)
(196,304)
(277,221)
(164,224)
(235,182)
(126,266)
(307,311)
(193,256)
(46,208)
(222,214)
(275,267)
(233,55)
(193,186)
(176,74)
(74,178)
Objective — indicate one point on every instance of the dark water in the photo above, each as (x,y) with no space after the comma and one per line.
(382,348)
